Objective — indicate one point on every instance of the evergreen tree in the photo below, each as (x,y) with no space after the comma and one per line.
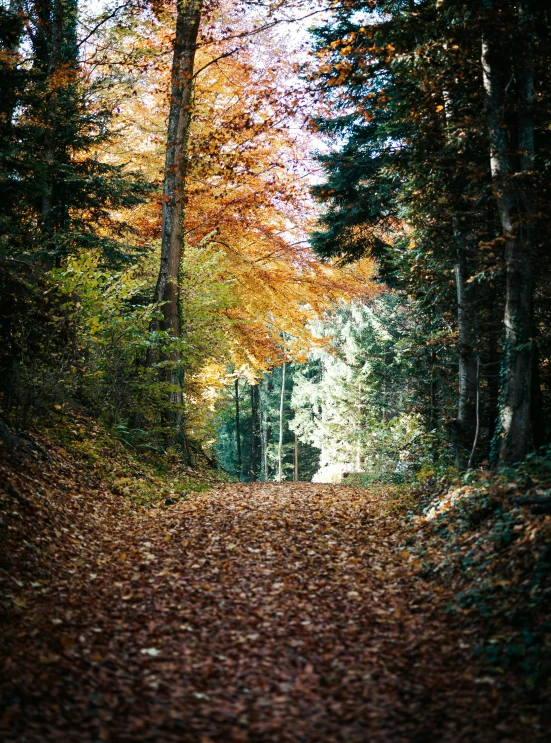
(53,176)
(410,181)
(355,400)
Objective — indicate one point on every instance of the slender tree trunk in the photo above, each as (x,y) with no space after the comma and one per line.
(238,430)
(492,381)
(265,432)
(518,317)
(528,198)
(477,413)
(468,375)
(179,120)
(466,324)
(255,432)
(434,413)
(280,445)
(263,445)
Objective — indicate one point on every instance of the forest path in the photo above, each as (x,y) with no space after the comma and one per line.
(260,613)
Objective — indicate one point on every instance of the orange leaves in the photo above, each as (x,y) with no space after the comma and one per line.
(292,608)
(247,189)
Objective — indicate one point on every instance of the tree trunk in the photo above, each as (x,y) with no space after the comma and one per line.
(468,376)
(466,323)
(295,477)
(264,445)
(528,200)
(434,413)
(518,319)
(492,384)
(238,430)
(255,433)
(179,120)
(265,434)
(280,446)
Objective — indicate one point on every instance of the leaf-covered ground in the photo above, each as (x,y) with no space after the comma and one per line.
(260,612)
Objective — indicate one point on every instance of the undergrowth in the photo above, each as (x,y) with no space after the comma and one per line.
(145,478)
(495,556)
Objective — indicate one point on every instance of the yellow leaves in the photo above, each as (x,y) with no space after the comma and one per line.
(247,202)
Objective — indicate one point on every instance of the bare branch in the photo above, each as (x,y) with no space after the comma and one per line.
(104,20)
(265,27)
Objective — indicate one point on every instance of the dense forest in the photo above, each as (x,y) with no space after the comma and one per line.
(275,287)
(161,243)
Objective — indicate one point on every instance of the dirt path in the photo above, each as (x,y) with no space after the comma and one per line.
(260,613)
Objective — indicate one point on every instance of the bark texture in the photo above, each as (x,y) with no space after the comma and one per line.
(516,208)
(179,120)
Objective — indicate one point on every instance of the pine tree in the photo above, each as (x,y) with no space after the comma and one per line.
(54,172)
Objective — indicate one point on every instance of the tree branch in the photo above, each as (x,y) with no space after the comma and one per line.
(265,27)
(103,21)
(222,56)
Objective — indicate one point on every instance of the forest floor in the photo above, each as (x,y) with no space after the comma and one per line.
(249,612)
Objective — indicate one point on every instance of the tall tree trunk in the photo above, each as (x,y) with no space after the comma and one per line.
(255,432)
(492,382)
(238,430)
(468,376)
(518,317)
(528,198)
(264,444)
(434,413)
(466,323)
(265,433)
(295,477)
(179,120)
(280,445)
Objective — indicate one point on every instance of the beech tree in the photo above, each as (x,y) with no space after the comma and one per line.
(166,293)
(512,161)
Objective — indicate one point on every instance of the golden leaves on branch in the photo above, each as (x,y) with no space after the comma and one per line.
(247,196)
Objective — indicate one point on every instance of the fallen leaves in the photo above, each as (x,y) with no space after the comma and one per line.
(150,651)
(272,615)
